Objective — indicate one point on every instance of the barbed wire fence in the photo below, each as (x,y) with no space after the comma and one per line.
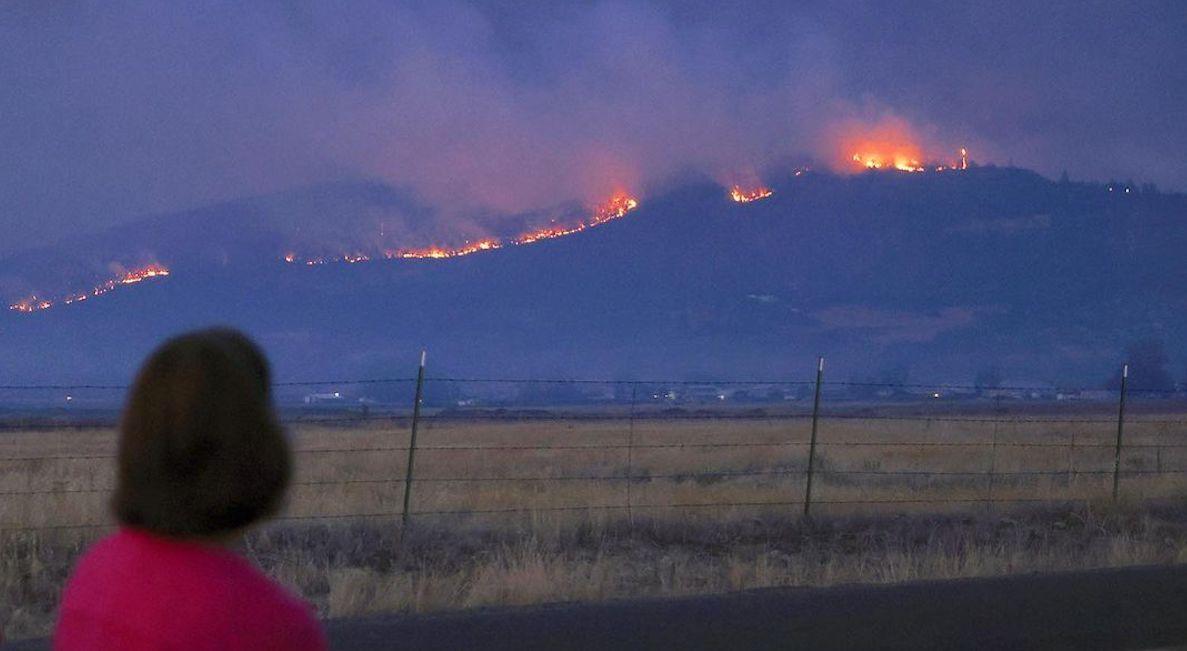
(776,475)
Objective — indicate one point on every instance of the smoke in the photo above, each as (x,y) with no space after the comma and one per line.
(115,109)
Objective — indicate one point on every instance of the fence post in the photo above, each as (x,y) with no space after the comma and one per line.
(630,456)
(1120,431)
(420,384)
(812,441)
(1071,460)
(992,468)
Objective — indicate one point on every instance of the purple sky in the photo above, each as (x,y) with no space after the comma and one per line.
(109,110)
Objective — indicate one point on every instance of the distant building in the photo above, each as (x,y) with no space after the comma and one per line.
(702,393)
(1096,395)
(1022,390)
(323,398)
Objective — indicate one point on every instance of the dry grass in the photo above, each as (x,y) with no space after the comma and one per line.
(351,566)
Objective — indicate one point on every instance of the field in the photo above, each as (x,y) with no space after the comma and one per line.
(547,506)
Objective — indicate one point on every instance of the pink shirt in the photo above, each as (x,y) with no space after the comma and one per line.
(135,590)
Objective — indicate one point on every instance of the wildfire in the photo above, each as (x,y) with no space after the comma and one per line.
(437,252)
(617,207)
(614,208)
(31,304)
(888,143)
(876,161)
(548,233)
(753,194)
(131,277)
(904,163)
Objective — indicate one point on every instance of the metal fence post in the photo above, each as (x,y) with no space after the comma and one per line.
(992,469)
(812,441)
(1120,431)
(630,456)
(420,383)
(1071,460)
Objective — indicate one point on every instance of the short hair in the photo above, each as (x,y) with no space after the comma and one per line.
(201,452)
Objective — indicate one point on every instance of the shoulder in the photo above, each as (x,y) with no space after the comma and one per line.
(166,589)
(281,618)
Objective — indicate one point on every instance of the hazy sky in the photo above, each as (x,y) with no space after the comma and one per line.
(109,110)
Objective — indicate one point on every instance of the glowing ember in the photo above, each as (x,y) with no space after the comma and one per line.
(131,277)
(31,304)
(753,194)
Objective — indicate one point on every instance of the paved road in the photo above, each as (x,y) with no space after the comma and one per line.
(1109,609)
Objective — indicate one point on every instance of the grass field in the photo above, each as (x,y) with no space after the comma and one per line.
(521,511)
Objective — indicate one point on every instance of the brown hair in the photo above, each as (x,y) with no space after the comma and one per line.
(200,451)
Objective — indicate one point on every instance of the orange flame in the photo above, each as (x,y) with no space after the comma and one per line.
(31,304)
(614,208)
(548,233)
(753,194)
(890,143)
(130,277)
(871,159)
(437,252)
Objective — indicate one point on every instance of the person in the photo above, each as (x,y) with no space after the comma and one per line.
(201,458)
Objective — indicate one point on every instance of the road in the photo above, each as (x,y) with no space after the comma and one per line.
(1130,608)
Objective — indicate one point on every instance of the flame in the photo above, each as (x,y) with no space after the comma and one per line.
(870,159)
(437,252)
(617,207)
(753,194)
(548,233)
(891,143)
(888,143)
(130,277)
(31,304)
(613,208)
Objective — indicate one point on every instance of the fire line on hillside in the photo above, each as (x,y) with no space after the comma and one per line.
(130,277)
(905,159)
(740,195)
(614,208)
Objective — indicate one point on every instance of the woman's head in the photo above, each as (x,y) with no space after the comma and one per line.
(200,451)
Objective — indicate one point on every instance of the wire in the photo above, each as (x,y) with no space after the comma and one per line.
(678,476)
(653,382)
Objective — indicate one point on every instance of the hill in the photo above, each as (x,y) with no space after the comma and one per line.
(939,273)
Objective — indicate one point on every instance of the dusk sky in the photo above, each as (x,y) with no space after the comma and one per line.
(112,110)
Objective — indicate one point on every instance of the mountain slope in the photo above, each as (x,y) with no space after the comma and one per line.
(943,273)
